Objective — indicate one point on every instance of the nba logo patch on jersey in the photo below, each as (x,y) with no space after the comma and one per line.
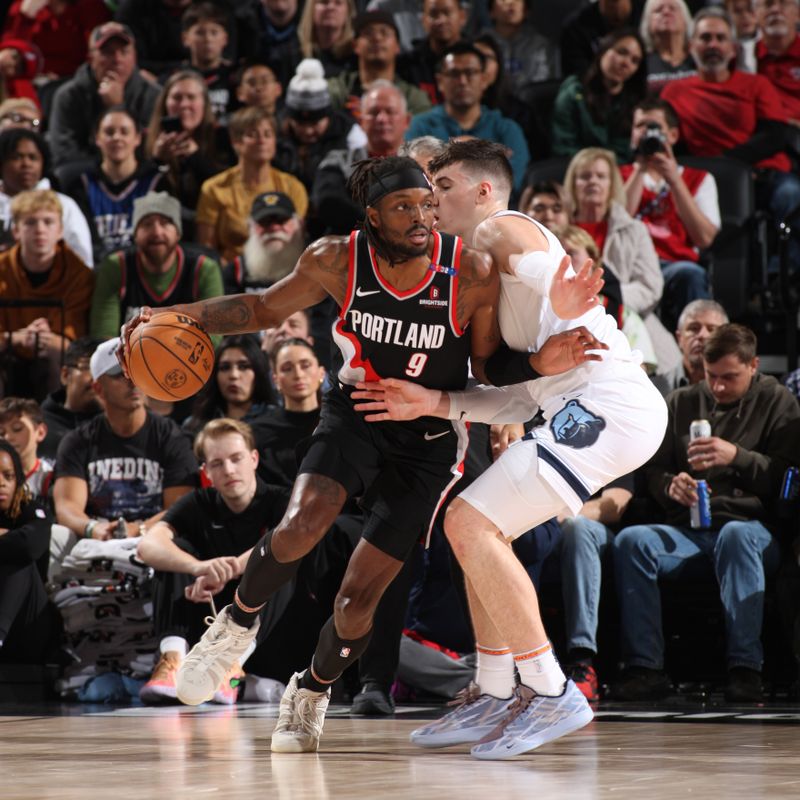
(576,426)
(344,652)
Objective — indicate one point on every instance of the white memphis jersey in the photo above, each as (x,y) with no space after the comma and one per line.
(527,320)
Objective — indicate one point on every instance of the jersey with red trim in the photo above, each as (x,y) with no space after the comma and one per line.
(385,333)
(184,287)
(660,214)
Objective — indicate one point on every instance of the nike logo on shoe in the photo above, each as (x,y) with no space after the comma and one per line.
(430,436)
(361,293)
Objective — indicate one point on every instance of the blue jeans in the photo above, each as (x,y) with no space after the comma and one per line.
(742,554)
(583,550)
(684,281)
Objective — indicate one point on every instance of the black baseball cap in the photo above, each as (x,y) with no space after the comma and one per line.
(378,17)
(272,205)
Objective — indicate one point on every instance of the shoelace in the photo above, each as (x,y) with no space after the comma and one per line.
(306,712)
(466,696)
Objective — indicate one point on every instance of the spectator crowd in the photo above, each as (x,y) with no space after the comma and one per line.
(155,152)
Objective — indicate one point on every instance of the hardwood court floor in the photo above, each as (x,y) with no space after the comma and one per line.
(142,753)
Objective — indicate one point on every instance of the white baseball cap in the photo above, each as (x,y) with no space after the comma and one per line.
(104,360)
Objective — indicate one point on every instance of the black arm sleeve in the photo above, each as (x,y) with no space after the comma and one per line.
(506,366)
(769,138)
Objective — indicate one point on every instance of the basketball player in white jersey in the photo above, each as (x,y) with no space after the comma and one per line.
(602,420)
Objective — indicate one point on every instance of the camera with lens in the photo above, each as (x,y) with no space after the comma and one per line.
(653,141)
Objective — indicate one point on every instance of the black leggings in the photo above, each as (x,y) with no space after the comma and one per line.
(29,624)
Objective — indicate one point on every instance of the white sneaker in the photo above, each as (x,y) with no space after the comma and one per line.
(212,657)
(300,721)
(474,716)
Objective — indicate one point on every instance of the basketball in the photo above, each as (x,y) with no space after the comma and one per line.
(171,356)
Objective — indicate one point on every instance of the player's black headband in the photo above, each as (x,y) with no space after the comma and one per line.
(402,178)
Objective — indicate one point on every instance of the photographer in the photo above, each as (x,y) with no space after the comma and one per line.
(677,204)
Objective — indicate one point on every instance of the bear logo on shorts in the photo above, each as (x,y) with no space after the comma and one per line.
(575,426)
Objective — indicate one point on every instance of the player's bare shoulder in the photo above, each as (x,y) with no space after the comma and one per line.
(478,283)
(326,261)
(504,235)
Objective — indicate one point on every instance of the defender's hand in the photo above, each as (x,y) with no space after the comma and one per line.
(567,350)
(573,297)
(391,398)
(501,436)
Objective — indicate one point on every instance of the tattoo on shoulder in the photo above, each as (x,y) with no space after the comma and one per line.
(226,315)
(475,272)
(330,255)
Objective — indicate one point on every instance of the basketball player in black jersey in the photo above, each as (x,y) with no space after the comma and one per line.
(415,304)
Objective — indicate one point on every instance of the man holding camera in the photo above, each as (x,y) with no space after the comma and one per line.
(677,204)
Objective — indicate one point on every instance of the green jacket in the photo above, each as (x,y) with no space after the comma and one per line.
(573,127)
(346,90)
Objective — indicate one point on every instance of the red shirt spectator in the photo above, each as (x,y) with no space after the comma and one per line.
(724,111)
(59,28)
(778,50)
(716,117)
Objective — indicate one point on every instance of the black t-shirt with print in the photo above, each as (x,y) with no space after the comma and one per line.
(126,476)
(202,519)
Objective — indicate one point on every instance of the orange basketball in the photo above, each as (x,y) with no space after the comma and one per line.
(171,357)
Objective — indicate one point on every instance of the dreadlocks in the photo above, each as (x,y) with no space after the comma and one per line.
(22,494)
(374,178)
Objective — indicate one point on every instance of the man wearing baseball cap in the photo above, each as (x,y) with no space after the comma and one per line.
(155,271)
(277,237)
(110,78)
(118,472)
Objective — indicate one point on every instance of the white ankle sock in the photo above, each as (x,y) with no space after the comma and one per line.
(539,669)
(174,644)
(495,673)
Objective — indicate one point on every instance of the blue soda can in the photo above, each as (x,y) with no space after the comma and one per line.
(700,512)
(790,488)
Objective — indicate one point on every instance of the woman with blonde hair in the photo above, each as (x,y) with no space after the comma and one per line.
(596,203)
(226,198)
(325,32)
(664,29)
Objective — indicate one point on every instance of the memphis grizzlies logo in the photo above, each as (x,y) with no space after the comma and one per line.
(575,426)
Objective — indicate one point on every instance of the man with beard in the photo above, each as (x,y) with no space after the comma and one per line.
(277,237)
(414,303)
(726,112)
(155,271)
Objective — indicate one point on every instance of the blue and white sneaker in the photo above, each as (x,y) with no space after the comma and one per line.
(474,716)
(533,720)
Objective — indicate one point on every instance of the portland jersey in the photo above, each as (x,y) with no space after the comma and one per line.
(385,333)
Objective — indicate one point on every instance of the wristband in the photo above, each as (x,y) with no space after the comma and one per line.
(88,529)
(506,366)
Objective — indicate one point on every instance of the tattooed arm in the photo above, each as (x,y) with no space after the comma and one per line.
(321,270)
(478,294)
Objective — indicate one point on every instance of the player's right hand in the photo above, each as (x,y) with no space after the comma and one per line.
(123,351)
(394,399)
